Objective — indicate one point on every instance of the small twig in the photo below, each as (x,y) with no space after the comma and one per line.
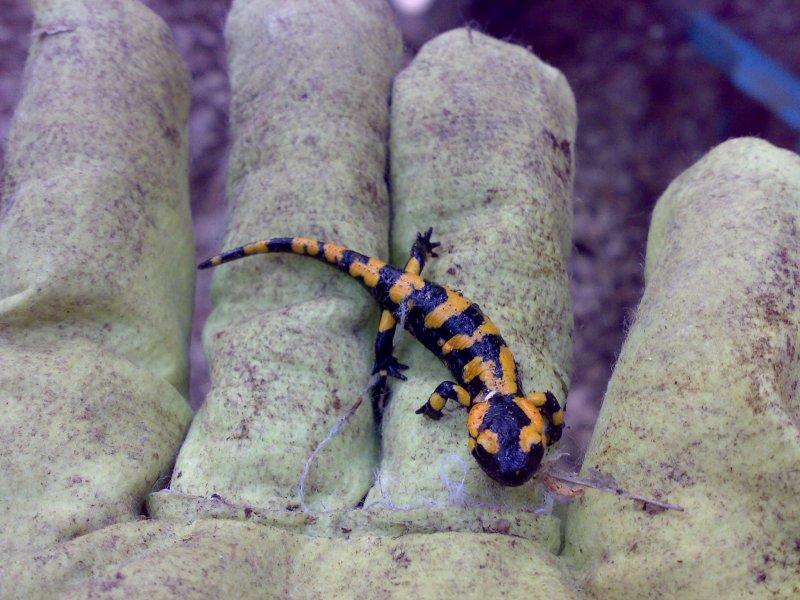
(614,489)
(51,30)
(301,486)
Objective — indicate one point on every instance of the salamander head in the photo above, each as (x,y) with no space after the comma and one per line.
(507,437)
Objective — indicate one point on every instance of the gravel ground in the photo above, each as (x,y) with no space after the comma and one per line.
(648,106)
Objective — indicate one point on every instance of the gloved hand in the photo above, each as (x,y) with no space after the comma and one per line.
(480,148)
(96,288)
(702,407)
(289,342)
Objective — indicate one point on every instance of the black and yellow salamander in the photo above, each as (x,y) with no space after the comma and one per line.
(508,429)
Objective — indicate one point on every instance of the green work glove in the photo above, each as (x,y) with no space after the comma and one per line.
(703,405)
(96,285)
(290,341)
(480,148)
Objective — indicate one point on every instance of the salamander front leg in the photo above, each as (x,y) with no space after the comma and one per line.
(422,249)
(386,365)
(447,390)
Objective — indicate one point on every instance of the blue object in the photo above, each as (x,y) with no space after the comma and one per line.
(749,69)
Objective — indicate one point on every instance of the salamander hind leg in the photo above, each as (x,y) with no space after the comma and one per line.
(447,390)
(386,364)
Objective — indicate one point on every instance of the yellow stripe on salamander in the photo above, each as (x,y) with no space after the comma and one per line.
(509,371)
(454,305)
(405,286)
(413,266)
(485,371)
(368,271)
(534,432)
(488,439)
(387,321)
(333,253)
(475,418)
(305,246)
(254,248)
(461,341)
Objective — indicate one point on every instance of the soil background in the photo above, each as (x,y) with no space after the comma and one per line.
(648,108)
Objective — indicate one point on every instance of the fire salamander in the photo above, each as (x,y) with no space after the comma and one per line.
(508,429)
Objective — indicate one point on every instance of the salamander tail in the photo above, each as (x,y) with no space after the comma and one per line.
(333,254)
